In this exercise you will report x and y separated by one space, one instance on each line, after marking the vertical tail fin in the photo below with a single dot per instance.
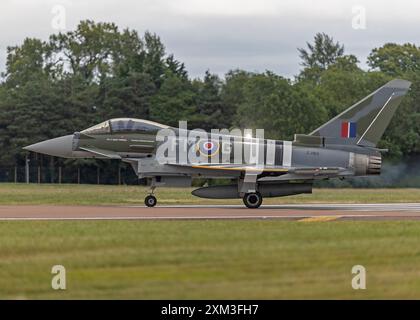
364 123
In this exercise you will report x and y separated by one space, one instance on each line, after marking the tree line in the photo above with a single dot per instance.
81 77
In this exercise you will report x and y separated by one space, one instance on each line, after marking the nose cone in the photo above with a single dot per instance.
58 147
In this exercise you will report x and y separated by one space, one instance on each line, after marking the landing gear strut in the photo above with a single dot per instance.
253 200
150 201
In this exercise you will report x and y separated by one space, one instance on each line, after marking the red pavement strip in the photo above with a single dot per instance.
330 212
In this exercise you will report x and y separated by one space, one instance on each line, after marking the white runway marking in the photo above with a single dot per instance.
319 212
345 207
294 217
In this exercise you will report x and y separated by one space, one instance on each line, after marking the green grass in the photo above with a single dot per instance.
205 259
210 259
11 194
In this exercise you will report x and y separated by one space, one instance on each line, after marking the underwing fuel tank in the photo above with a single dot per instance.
266 189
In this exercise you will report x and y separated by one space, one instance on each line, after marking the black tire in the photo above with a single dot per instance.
253 200
150 201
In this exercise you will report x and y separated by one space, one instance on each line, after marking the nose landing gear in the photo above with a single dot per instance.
150 201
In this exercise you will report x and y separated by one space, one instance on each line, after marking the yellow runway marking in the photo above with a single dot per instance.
320 219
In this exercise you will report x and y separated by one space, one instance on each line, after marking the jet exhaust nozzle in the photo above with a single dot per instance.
366 165
374 165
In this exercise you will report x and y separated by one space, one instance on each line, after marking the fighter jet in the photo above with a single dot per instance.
257 167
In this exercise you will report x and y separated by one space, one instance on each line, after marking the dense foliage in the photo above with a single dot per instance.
96 72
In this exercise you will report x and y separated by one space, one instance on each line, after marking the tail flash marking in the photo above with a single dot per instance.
348 129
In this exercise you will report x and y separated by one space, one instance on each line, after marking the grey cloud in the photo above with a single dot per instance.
221 42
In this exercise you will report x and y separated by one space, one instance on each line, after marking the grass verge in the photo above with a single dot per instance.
15 194
210 259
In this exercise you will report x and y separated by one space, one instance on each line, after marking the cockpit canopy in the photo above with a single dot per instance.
127 125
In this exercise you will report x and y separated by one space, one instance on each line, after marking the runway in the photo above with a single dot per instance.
306 212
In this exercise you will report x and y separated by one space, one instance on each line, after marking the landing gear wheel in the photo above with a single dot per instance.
150 201
253 200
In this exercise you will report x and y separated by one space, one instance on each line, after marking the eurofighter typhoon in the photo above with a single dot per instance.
257 167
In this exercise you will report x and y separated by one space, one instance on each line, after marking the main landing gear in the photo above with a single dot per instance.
253 200
247 186
150 201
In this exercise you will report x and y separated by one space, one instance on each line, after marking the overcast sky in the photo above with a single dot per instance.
220 35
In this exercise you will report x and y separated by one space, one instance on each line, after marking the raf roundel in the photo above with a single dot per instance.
208 148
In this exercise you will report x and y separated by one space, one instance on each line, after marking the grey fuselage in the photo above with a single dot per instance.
295 159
